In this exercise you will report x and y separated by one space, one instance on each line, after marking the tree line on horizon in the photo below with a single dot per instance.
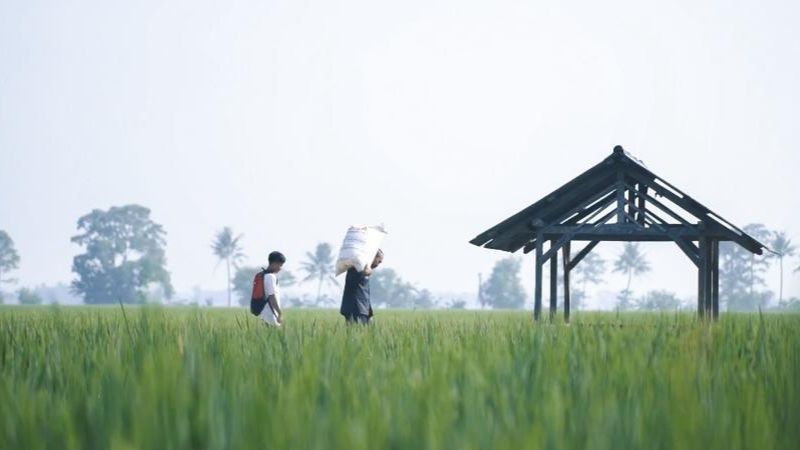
123 260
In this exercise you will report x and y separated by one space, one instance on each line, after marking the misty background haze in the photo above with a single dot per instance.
290 121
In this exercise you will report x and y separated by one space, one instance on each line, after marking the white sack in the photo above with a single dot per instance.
360 245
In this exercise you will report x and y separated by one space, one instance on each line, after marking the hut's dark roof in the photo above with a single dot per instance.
601 182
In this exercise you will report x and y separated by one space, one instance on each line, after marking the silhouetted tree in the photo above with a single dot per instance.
758 263
589 270
659 301
227 249
388 288
631 262
28 297
783 246
504 289
124 253
319 266
424 300
9 258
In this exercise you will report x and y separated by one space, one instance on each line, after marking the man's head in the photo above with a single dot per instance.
276 261
378 259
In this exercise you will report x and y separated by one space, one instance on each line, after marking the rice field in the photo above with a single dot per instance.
154 378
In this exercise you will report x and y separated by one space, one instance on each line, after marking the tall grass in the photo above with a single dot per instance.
90 378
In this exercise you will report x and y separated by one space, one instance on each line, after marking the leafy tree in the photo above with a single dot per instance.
424 300
124 253
783 246
29 297
227 249
758 264
319 266
9 258
504 289
458 304
738 290
243 282
659 301
631 262
625 300
590 270
387 288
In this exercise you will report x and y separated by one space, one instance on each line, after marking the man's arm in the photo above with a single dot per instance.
274 304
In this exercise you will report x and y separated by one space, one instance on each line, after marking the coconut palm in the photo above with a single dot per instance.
319 266
782 245
226 248
631 262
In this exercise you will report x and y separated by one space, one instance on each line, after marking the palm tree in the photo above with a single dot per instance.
632 262
319 266
227 248
782 245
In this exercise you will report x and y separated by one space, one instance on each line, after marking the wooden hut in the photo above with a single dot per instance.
618 199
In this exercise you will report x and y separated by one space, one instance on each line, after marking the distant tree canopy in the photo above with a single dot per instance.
388 289
590 270
658 301
29 297
124 254
504 289
9 258
741 273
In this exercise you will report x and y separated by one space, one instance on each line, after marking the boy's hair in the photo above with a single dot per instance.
380 253
276 257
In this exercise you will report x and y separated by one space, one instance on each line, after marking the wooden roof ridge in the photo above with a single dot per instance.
596 186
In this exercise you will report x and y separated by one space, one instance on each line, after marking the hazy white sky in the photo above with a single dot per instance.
291 120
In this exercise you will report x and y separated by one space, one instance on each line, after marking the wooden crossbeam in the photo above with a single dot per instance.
663 207
686 247
571 231
582 254
588 208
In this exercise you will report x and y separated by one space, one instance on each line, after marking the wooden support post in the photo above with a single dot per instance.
709 279
565 256
537 291
702 269
620 197
715 278
553 281
642 190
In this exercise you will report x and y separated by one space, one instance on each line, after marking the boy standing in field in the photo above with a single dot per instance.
356 306
272 314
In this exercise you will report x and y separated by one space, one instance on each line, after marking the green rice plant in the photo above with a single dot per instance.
219 379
